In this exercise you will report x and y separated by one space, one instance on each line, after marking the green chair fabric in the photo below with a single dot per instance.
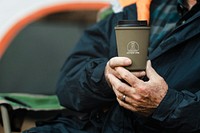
30 101
15 106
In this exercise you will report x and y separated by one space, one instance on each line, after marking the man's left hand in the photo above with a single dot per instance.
137 95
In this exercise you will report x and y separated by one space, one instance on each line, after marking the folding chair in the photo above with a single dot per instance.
16 106
5 119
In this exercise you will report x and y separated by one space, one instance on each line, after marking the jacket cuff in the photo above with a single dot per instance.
167 105
99 81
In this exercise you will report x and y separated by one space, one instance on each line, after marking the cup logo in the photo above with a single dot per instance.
133 48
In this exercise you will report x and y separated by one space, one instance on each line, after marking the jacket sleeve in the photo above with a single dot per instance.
179 110
82 85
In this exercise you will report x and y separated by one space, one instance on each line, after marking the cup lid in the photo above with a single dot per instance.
131 23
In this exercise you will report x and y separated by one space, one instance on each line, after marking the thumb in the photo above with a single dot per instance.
151 73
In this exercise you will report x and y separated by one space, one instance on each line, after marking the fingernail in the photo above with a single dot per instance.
143 73
127 62
148 63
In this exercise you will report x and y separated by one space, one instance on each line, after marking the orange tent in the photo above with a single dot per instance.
20 15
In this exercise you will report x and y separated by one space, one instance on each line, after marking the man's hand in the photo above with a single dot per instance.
137 95
115 62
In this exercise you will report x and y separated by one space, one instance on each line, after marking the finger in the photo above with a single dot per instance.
135 108
151 73
126 105
115 83
119 61
133 99
120 88
139 74
128 76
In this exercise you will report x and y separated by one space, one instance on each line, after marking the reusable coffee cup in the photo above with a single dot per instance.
132 41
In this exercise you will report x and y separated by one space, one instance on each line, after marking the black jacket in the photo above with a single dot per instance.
82 86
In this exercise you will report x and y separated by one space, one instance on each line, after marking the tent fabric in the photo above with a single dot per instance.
15 15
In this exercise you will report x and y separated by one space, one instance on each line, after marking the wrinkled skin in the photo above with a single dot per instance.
142 97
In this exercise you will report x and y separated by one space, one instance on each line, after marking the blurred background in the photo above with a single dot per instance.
36 37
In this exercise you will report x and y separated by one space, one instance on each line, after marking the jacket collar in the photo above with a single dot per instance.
180 34
187 14
182 7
